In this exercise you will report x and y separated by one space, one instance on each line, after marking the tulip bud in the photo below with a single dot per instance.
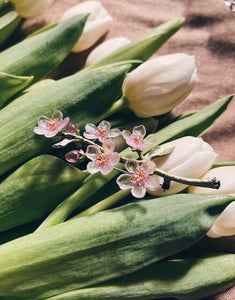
160 84
191 157
105 48
97 23
31 8
225 223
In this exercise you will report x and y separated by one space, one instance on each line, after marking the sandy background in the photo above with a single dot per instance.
208 34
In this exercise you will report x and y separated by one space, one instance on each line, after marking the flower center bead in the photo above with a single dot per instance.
52 124
139 178
102 159
102 131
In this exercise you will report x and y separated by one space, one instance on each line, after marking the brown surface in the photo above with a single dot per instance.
208 33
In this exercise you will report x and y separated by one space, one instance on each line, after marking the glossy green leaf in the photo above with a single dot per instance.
184 279
35 189
145 46
43 52
195 124
11 84
84 97
9 20
90 250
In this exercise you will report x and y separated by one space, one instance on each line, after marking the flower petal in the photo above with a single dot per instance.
64 123
90 131
124 181
148 166
92 152
153 182
105 124
108 146
138 191
139 130
92 167
114 158
106 169
114 133
131 165
57 114
126 134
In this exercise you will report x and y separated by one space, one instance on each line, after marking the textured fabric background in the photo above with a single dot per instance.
208 34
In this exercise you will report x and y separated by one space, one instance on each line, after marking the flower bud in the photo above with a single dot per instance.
160 84
97 23
225 223
105 48
191 157
31 8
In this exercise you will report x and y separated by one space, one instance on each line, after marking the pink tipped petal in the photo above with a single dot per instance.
126 134
50 134
114 133
90 129
40 130
131 165
114 158
92 152
57 114
106 169
42 123
153 182
92 167
138 191
124 181
89 136
108 146
148 166
105 124
64 123
140 130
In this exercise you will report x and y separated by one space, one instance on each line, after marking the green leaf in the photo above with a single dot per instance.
159 151
84 97
9 20
43 52
35 189
145 46
196 124
11 84
186 279
90 250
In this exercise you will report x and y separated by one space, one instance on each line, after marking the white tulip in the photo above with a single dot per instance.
105 48
190 158
31 8
225 223
160 84
96 26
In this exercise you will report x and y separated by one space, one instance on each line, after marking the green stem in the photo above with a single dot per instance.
116 107
104 204
223 164
90 186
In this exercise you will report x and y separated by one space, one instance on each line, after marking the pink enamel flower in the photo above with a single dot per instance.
140 177
101 132
51 126
102 161
136 139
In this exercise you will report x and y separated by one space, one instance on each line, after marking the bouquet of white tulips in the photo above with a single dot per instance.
100 190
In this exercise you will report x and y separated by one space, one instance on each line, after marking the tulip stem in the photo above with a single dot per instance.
104 204
212 183
120 104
